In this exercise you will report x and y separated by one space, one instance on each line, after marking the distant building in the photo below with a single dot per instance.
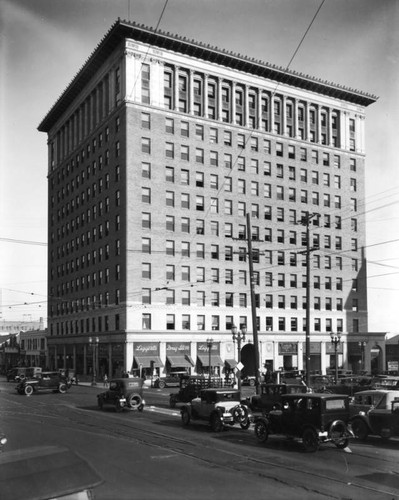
158 149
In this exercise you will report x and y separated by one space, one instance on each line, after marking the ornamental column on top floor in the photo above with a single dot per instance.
307 121
206 79
219 100
233 102
191 91
360 132
176 89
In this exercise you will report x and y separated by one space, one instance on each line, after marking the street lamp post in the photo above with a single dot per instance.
238 336
336 340
94 343
362 345
209 343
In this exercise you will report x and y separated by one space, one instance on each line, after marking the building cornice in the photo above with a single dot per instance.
122 30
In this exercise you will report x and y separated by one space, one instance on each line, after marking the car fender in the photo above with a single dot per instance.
262 418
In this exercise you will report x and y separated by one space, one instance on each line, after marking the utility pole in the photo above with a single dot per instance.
253 304
305 221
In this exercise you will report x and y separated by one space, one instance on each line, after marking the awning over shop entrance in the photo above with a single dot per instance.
215 360
231 363
180 361
145 361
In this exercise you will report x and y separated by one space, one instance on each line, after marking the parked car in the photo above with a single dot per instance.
170 380
390 383
43 381
270 396
349 385
315 418
319 383
373 413
218 407
364 401
191 386
123 393
249 380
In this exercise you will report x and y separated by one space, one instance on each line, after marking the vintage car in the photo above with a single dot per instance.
123 393
170 380
218 407
315 418
349 385
191 386
270 396
43 381
380 418
389 383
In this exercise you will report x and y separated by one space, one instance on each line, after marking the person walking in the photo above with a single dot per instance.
105 380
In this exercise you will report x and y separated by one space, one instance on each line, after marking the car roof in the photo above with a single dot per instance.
375 391
220 390
314 395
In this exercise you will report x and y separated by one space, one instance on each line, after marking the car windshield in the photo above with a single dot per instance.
229 396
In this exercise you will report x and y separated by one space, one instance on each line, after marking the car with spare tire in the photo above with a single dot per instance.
43 381
314 418
218 407
123 393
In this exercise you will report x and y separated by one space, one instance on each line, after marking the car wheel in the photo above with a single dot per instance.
240 414
161 384
338 434
172 401
310 440
28 390
261 431
134 401
360 429
62 388
141 407
185 416
216 423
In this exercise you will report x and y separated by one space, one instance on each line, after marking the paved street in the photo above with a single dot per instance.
150 455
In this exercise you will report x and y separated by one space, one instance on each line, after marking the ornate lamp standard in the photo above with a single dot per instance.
209 343
238 336
336 340
362 345
94 341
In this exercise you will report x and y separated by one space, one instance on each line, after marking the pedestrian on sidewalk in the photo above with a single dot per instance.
105 379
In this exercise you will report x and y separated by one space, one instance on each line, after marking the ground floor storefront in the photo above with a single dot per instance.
143 355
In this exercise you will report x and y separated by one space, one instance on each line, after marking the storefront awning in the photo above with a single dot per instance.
215 360
180 361
231 363
145 361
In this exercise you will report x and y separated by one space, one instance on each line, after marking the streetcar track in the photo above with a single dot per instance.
176 445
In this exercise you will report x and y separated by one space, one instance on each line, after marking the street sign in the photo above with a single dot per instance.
240 366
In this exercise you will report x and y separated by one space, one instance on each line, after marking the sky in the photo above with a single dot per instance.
44 43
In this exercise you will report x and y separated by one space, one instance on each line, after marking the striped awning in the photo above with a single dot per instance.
145 361
232 363
180 361
215 360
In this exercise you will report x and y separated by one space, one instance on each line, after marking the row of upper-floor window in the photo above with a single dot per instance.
81 304
85 238
268 323
324 158
279 172
242 141
84 281
283 257
96 324
283 236
216 205
233 299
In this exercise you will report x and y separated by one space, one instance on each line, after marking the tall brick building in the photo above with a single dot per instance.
158 149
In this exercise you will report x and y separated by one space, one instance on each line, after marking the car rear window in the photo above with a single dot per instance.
335 404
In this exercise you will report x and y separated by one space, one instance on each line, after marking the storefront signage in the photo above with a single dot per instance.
146 349
174 348
315 347
203 347
287 348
